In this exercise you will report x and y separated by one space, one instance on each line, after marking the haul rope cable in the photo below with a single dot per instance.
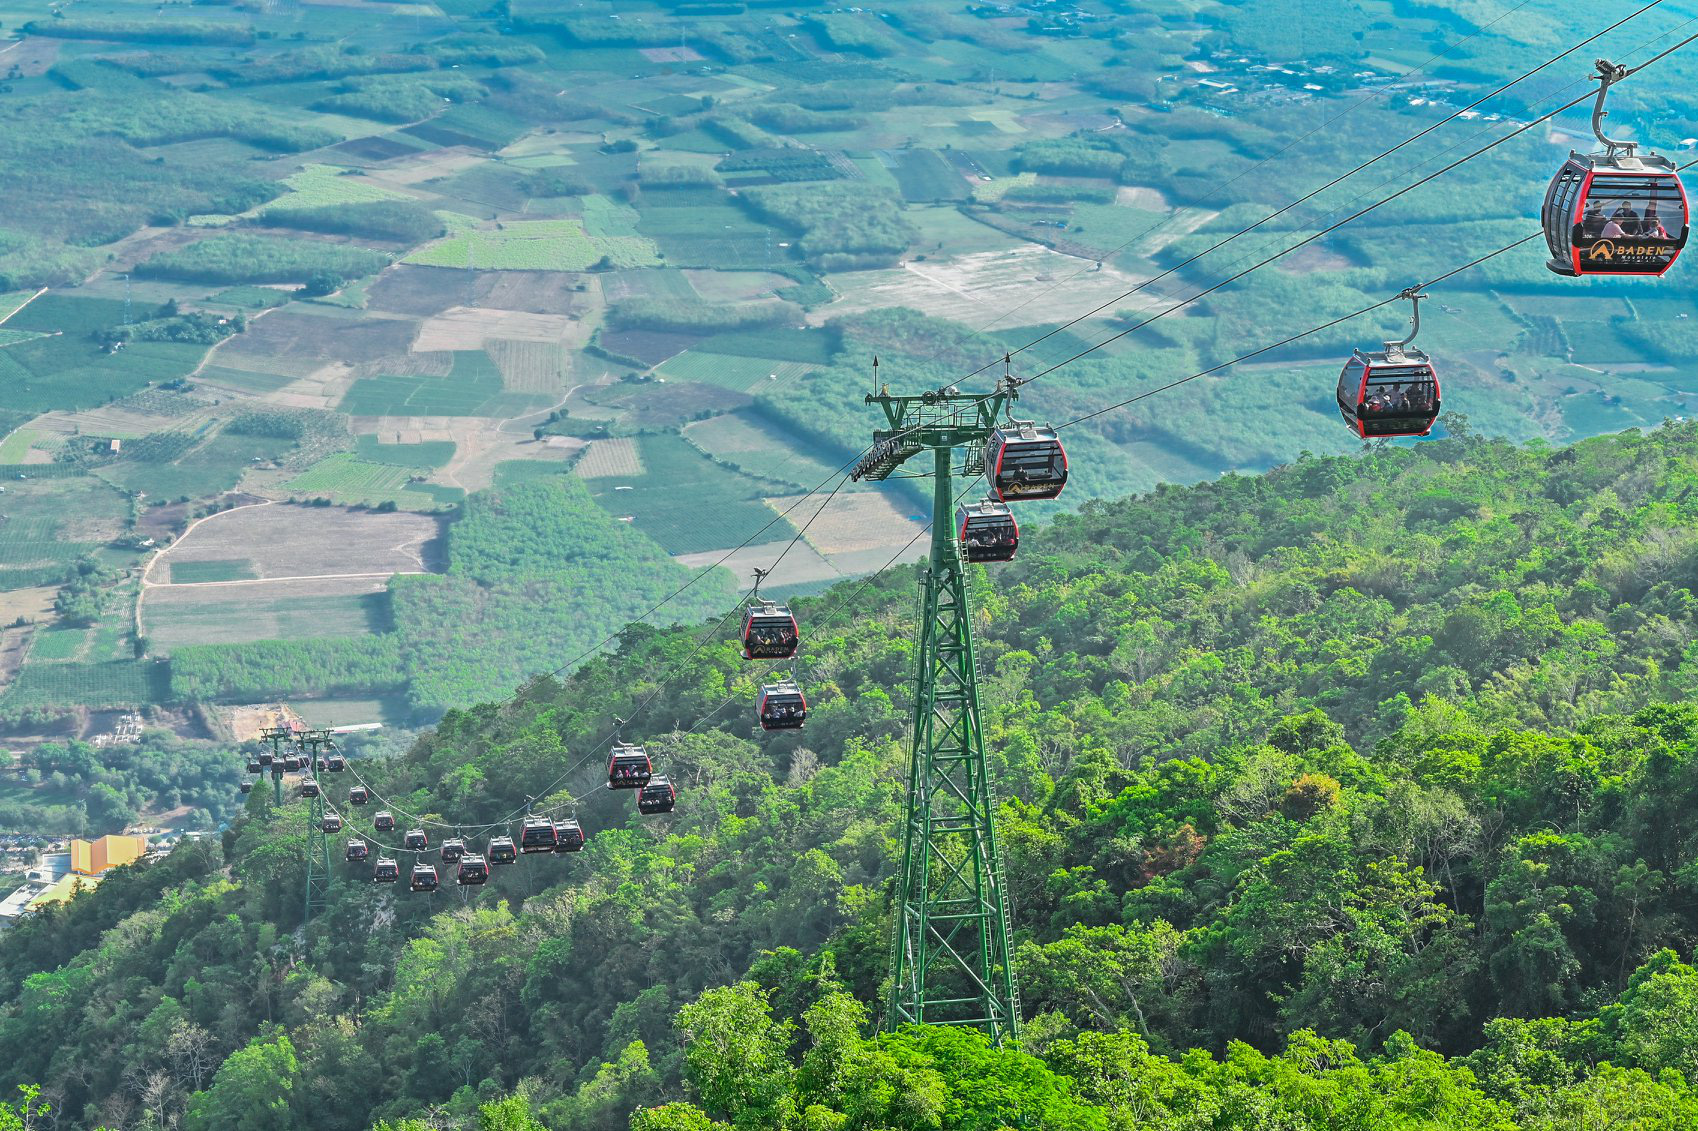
711 634
477 828
1341 223
1342 206
667 599
1132 400
1121 298
1173 213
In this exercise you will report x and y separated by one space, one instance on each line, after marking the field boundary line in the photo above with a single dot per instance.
296 577
26 301
146 584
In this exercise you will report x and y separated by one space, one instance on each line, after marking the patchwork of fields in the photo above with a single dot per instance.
654 278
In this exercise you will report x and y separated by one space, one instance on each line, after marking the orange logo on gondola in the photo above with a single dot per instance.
1611 250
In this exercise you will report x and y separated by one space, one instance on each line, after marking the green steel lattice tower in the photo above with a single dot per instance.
949 958
318 841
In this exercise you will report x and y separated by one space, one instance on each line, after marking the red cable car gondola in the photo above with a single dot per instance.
770 631
452 850
384 822
570 836
657 796
538 835
987 531
387 871
1391 392
336 763
502 851
415 841
472 870
782 706
247 787
255 768
1024 460
309 788
425 878
358 795
265 758
357 850
628 767
331 823
1618 212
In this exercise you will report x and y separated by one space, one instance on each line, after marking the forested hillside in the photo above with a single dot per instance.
1358 795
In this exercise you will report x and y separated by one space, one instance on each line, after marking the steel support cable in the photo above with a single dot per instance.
1335 181
1169 218
1341 223
1296 337
713 632
831 614
1344 206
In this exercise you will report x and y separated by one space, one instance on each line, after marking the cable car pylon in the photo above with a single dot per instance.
950 945
317 894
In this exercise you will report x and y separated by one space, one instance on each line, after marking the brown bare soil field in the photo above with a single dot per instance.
245 723
372 149
529 367
281 540
287 334
419 291
434 364
668 404
854 523
734 286
31 604
428 166
538 292
607 459
468 327
966 288
671 54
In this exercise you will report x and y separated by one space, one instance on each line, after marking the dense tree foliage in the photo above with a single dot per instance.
1357 795
261 259
397 220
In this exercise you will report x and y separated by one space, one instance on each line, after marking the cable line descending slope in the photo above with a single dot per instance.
950 950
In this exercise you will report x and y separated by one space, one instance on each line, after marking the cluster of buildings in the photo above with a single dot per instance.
59 875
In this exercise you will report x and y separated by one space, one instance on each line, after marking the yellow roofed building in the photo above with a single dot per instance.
92 857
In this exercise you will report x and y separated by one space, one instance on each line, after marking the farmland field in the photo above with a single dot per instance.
473 388
685 501
932 186
278 610
229 569
115 683
424 455
350 480
279 540
535 245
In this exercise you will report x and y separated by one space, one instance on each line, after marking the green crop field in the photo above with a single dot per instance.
317 186
473 388
116 683
238 614
536 245
424 456
345 478
57 644
232 569
743 374
686 502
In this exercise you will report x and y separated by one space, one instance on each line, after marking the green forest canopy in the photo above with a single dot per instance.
1365 780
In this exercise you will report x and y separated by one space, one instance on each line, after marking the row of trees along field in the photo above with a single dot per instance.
1356 795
